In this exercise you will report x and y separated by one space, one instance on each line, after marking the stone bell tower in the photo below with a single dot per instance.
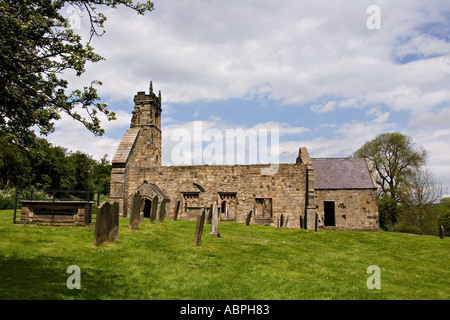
139 149
147 118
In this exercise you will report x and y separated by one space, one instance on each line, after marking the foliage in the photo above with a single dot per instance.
393 157
45 166
418 195
37 45
7 198
388 211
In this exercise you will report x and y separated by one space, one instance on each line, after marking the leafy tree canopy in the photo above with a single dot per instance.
37 44
394 157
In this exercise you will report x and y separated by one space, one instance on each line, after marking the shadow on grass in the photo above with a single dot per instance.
44 278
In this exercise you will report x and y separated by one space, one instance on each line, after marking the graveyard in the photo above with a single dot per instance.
159 260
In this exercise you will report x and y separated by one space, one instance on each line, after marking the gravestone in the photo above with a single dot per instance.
215 221
209 216
114 222
141 211
316 226
248 218
135 214
441 232
199 229
162 211
175 211
302 226
286 222
154 209
107 223
280 219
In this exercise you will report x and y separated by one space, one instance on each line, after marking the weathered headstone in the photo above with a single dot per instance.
279 221
441 232
316 226
154 209
135 214
162 211
215 221
107 223
141 211
114 222
209 216
248 218
286 222
175 211
199 229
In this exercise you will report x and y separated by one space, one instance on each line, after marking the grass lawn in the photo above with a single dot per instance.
159 261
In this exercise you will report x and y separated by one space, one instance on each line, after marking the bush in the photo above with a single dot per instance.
405 228
7 198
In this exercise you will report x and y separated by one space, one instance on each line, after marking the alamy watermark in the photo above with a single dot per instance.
374 281
74 17
373 22
74 281
235 146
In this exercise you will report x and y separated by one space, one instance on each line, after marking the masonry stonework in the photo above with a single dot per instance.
298 190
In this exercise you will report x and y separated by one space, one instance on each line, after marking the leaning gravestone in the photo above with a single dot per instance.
162 211
209 216
114 222
441 232
135 214
199 229
175 211
141 211
154 209
248 218
286 222
107 223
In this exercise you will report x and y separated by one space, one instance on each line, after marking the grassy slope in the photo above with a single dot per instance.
159 261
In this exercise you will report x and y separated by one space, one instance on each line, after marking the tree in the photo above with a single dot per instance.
37 44
50 168
388 211
15 168
393 156
419 194
81 166
102 175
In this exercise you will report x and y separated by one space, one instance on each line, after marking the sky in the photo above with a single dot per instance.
326 75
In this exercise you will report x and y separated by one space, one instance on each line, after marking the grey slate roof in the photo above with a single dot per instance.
341 173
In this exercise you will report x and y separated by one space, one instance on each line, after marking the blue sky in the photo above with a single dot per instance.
311 69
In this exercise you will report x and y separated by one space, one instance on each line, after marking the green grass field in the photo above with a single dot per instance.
159 261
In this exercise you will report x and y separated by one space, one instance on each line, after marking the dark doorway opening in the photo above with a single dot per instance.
147 208
329 214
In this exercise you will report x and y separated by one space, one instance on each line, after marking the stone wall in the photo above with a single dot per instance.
355 209
286 188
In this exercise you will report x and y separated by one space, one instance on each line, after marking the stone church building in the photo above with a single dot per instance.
341 191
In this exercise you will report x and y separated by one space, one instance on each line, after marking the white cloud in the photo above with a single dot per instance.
329 106
295 52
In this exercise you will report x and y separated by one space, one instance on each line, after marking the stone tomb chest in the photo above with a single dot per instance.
56 212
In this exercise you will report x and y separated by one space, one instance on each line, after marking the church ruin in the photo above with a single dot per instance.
340 191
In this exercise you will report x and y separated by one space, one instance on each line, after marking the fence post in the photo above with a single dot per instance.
15 204
88 212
